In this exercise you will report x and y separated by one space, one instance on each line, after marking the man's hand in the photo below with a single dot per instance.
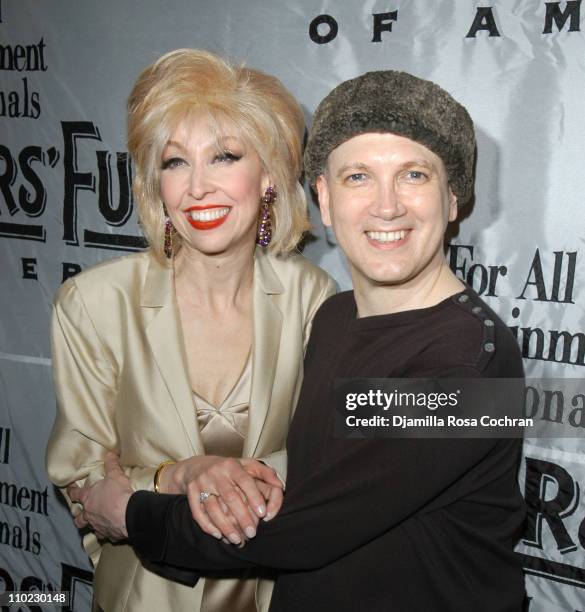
104 502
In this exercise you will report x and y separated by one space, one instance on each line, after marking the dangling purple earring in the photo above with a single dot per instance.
169 230
265 228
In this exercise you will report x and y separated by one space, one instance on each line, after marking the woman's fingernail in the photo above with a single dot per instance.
216 535
268 517
250 532
234 538
261 510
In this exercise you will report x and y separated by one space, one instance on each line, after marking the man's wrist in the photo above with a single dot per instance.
125 500
144 510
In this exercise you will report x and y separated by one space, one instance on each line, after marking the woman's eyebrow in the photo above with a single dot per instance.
174 143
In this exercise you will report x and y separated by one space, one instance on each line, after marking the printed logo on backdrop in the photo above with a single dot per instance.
553 545
81 163
106 175
22 61
549 278
29 509
557 16
26 171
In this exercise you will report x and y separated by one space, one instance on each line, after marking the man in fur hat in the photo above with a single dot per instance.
407 524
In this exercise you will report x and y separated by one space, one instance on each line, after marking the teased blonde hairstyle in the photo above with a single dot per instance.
187 83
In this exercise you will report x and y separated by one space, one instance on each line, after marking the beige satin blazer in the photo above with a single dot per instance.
121 381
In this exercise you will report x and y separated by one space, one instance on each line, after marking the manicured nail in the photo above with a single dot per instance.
250 532
261 510
225 540
216 535
268 517
234 538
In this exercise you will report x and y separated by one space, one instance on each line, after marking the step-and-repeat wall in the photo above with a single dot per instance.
66 68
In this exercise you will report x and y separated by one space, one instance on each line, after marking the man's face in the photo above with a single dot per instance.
389 203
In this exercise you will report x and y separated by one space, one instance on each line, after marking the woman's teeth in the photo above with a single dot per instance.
209 215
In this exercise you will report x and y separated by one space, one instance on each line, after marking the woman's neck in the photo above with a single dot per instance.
214 281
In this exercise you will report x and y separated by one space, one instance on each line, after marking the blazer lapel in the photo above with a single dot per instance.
267 330
168 348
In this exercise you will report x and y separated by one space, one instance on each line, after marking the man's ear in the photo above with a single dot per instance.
323 195
452 206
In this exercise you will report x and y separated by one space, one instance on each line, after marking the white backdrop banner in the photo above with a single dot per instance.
66 68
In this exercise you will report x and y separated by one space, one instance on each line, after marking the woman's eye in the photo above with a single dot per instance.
172 162
227 156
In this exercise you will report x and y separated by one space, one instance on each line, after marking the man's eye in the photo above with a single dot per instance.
227 156
416 176
356 177
172 162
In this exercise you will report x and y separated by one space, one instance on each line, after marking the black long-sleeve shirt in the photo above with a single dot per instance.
377 524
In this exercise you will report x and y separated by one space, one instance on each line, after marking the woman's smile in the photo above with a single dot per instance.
207 217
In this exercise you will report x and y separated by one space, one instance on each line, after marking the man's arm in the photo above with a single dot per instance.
362 490
346 504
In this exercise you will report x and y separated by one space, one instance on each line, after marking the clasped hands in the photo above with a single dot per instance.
242 492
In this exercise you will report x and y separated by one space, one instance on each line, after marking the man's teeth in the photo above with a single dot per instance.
209 215
386 236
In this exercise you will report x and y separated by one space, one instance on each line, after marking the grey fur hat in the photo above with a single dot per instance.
402 104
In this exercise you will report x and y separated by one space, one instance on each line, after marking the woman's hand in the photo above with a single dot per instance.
104 502
241 492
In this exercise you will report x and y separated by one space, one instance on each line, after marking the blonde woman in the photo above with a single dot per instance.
190 352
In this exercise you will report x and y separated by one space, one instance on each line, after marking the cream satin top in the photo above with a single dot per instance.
223 431
121 376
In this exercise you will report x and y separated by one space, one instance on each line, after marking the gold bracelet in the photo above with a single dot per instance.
158 473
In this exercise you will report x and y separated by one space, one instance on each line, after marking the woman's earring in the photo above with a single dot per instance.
169 231
265 228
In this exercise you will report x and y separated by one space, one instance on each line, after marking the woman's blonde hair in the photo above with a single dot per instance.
187 83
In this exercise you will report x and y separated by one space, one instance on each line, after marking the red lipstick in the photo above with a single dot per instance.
205 225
